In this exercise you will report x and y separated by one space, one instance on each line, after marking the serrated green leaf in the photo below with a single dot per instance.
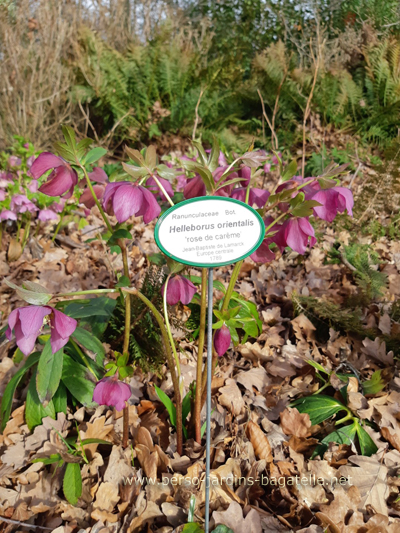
305 209
214 155
82 146
166 172
53 458
343 435
202 154
151 157
48 373
64 151
33 297
134 171
72 484
317 366
290 171
318 407
69 136
375 384
6 401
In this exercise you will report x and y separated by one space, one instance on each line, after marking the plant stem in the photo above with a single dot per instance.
81 293
170 360
231 286
171 339
127 331
58 225
96 200
155 178
199 379
349 416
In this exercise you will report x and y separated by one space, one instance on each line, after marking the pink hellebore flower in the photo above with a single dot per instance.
333 201
47 214
153 186
61 181
258 197
179 289
21 204
8 215
98 175
14 161
2 195
194 188
33 186
222 340
86 197
58 207
245 174
110 391
128 199
296 233
28 321
263 254
30 160
227 190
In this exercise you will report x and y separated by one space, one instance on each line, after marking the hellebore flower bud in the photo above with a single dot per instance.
110 391
222 340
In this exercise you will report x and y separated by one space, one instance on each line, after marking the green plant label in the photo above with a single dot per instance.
209 231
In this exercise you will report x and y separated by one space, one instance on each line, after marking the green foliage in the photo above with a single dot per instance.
146 344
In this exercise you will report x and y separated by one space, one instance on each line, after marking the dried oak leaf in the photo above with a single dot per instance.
95 430
369 476
260 442
231 397
295 423
233 518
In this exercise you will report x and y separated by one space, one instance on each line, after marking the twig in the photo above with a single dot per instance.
197 113
23 524
307 110
279 93
89 122
274 138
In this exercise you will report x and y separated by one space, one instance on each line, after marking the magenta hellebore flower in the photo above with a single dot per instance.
14 161
61 181
28 321
128 199
194 188
258 197
227 190
110 391
179 289
222 340
21 204
263 254
98 175
6 214
153 186
86 197
296 233
47 214
333 201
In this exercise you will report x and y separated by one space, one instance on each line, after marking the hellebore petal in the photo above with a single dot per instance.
194 188
222 340
62 327
333 201
128 199
258 197
28 321
296 233
98 175
150 208
14 161
109 391
21 204
47 214
87 199
263 254
8 215
152 186
245 174
60 182
2 195
44 162
179 289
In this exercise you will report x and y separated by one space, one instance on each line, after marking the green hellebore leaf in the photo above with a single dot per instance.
319 407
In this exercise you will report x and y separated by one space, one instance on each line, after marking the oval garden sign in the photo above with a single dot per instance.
209 231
